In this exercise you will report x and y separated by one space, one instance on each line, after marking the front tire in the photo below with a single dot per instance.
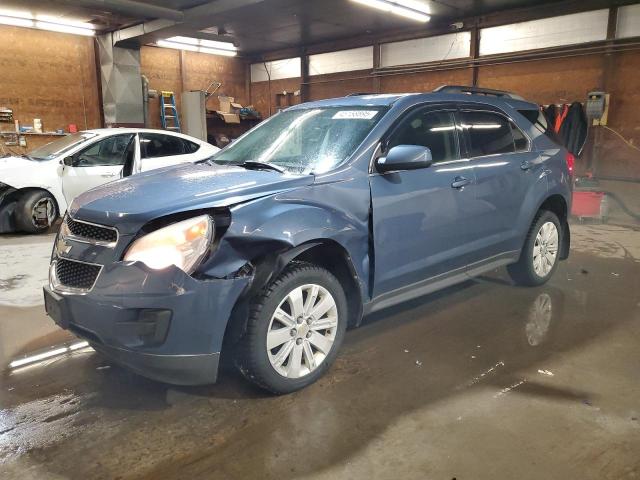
540 253
36 212
295 329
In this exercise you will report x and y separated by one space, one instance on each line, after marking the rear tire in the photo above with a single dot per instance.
36 212
295 329
540 253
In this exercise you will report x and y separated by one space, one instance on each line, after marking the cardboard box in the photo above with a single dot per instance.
225 104
229 105
230 117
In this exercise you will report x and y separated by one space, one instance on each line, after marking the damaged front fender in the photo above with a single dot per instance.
267 233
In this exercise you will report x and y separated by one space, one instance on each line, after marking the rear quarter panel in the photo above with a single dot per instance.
556 178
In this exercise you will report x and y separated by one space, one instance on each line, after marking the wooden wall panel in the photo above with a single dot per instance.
619 159
201 69
339 84
424 81
562 80
261 99
48 75
162 67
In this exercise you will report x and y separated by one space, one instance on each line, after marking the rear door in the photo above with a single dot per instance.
159 150
505 170
421 217
99 163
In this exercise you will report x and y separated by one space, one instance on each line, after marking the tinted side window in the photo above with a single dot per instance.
157 145
190 147
538 119
521 142
488 133
436 130
108 152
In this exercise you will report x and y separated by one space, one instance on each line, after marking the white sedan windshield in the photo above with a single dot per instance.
58 147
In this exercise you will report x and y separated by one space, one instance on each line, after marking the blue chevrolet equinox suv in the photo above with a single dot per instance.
327 211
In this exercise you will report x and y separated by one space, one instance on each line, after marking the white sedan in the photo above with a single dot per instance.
36 188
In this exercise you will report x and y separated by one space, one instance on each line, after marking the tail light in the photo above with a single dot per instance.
571 161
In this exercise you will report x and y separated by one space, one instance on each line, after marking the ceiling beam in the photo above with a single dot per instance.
439 26
194 20
128 8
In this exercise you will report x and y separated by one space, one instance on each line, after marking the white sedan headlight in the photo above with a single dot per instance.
183 244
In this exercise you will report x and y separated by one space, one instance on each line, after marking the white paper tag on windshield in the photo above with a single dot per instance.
355 115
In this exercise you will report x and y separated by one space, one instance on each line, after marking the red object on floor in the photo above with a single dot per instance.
586 204
73 128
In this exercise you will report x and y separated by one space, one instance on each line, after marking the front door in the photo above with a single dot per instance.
99 163
421 217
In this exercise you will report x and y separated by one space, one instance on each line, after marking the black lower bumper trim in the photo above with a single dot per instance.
199 369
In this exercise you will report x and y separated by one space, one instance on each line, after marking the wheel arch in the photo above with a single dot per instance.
326 253
11 199
557 204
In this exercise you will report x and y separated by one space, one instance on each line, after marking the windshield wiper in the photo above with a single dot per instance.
256 164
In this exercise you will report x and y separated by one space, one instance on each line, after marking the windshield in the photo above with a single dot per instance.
60 146
304 141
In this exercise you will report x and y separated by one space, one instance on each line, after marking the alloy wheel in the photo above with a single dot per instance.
302 331
545 249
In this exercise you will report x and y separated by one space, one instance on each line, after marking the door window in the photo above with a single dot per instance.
488 133
156 145
110 151
436 130
190 147
520 140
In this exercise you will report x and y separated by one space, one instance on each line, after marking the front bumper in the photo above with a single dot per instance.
163 324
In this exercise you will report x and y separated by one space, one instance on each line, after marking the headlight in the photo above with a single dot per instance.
183 244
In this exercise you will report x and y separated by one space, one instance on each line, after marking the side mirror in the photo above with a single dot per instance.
68 161
405 157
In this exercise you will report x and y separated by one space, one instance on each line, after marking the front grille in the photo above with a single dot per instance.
77 275
91 232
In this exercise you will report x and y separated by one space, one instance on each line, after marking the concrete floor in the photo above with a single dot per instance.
481 381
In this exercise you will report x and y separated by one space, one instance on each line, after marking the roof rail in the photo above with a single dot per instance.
359 94
477 91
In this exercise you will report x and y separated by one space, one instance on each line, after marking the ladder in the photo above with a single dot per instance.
169 112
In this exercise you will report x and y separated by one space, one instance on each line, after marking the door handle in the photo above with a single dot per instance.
460 182
108 175
526 165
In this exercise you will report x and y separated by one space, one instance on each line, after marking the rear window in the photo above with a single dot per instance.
155 145
537 118
488 133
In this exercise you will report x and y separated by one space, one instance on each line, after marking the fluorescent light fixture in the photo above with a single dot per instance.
16 22
199 45
405 8
58 27
39 357
55 24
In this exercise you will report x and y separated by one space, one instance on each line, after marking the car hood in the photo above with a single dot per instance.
13 167
131 202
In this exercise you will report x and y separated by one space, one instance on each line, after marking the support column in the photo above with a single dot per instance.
304 77
475 54
376 66
608 65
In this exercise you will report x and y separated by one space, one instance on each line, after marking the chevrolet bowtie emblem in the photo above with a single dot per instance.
62 246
